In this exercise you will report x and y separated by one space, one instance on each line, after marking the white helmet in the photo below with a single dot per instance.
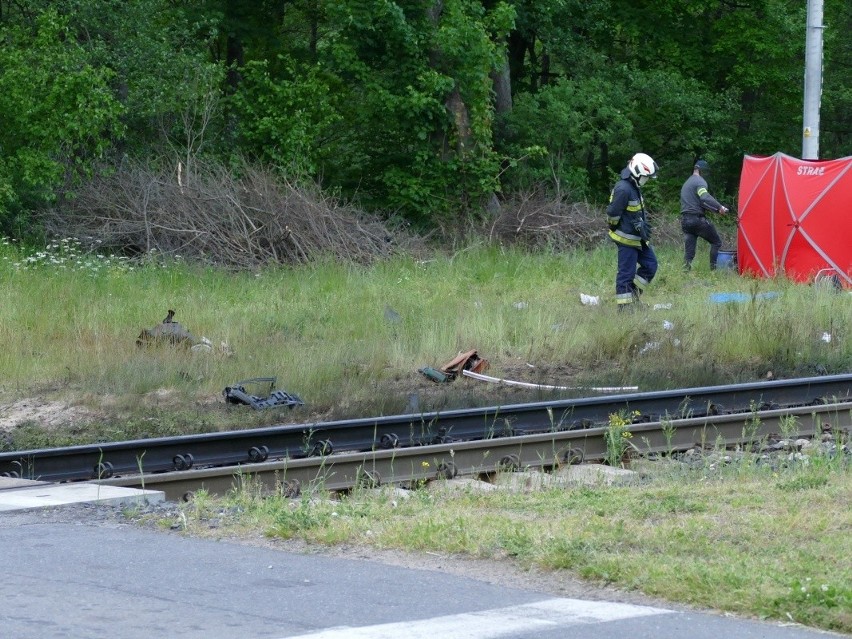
642 167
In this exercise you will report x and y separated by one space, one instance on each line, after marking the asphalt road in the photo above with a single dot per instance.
82 577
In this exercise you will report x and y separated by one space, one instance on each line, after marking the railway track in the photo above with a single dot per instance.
479 457
373 449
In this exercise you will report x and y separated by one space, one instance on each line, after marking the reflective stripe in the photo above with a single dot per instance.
626 236
640 282
626 241
624 298
701 191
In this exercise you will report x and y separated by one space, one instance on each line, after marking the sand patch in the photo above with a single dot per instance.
42 413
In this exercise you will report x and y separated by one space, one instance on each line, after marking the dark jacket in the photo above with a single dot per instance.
695 199
628 223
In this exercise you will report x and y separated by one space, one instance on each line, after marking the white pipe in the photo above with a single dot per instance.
508 382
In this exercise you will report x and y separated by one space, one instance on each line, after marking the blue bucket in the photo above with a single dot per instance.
727 260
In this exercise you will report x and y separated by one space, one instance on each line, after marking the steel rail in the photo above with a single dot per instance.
544 450
99 461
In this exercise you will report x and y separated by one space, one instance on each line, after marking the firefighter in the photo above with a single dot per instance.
695 201
629 229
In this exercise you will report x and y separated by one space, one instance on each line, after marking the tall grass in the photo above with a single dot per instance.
349 339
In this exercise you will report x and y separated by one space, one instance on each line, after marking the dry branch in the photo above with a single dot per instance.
539 220
214 216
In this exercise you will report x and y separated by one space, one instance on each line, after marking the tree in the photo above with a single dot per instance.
836 112
709 78
57 113
417 108
393 105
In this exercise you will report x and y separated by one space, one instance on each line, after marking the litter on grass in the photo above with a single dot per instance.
509 382
237 394
167 332
172 333
469 360
470 364
725 298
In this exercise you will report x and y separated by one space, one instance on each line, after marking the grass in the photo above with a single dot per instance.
747 538
750 539
348 339
69 321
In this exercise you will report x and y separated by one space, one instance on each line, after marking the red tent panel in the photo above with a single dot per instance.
795 217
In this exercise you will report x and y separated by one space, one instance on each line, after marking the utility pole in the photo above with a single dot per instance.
813 81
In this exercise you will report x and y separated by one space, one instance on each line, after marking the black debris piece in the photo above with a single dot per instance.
237 394
434 374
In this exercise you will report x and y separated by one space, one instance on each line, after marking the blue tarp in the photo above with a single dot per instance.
724 298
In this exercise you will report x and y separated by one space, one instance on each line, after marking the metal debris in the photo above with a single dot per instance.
237 394
468 361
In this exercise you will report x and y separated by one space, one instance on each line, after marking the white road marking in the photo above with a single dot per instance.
499 622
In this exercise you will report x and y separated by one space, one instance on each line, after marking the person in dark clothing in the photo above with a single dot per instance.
695 201
629 229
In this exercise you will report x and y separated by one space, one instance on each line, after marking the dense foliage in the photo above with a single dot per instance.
418 109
